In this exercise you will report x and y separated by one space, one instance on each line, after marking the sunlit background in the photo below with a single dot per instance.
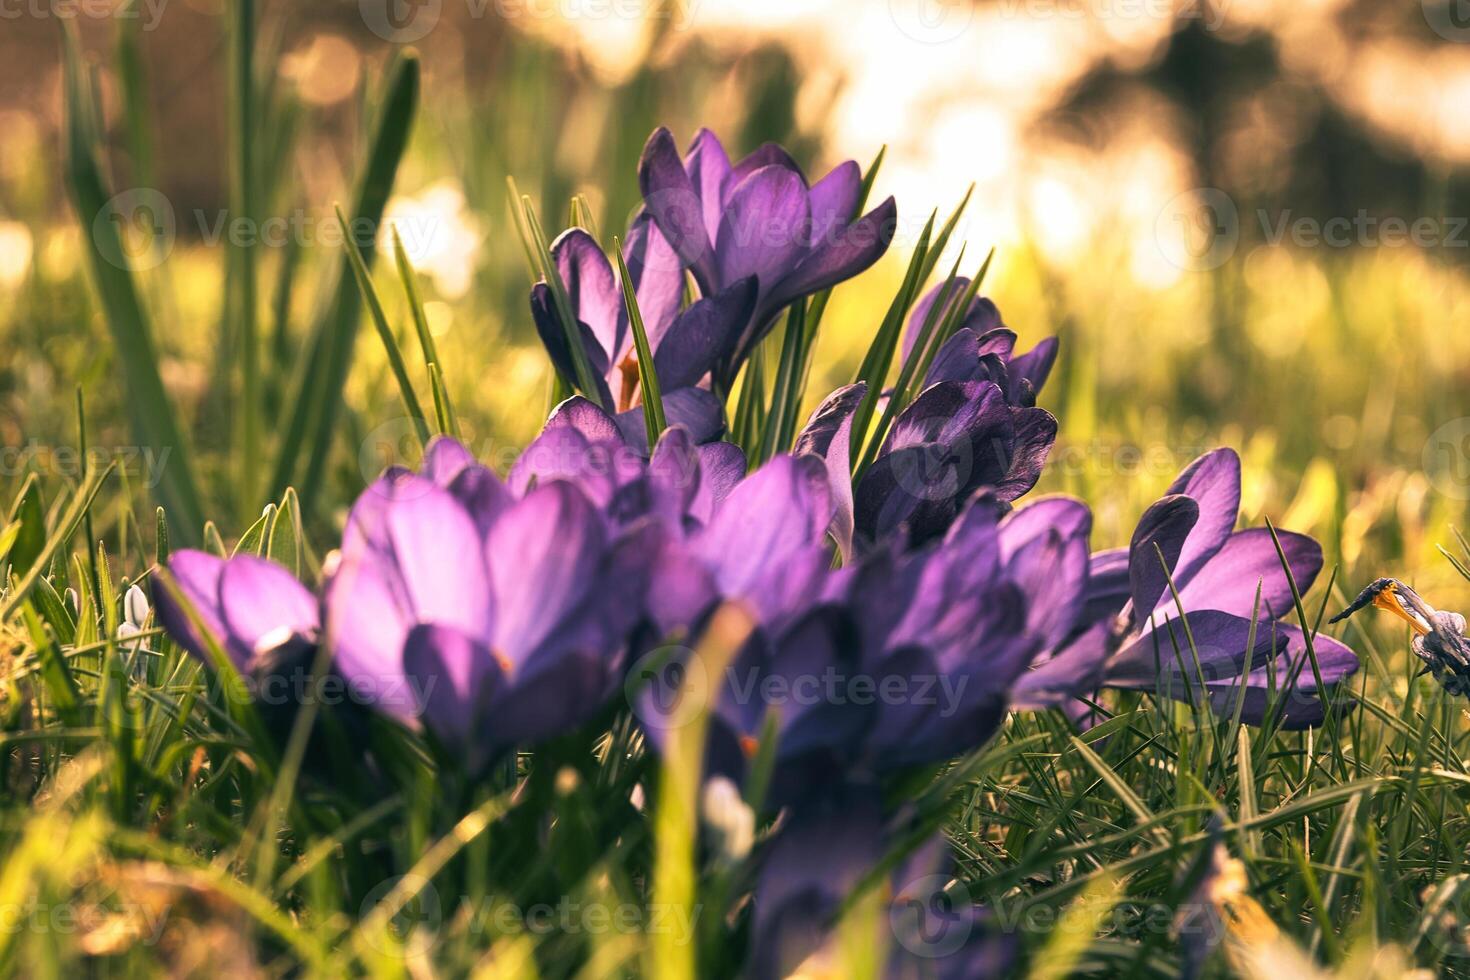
1245 218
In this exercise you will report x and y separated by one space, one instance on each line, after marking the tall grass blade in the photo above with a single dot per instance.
154 421
653 400
317 395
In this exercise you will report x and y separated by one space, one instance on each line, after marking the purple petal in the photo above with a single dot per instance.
580 414
765 155
828 435
1035 434
455 676
1294 694
440 558
708 166
593 289
483 494
957 360
722 465
197 575
920 315
543 555
1156 658
1163 529
1213 481
444 459
1228 581
696 409
554 339
658 281
774 514
767 220
1035 365
671 198
1044 547
367 621
674 475
564 453
263 605
834 198
848 253
1072 672
702 334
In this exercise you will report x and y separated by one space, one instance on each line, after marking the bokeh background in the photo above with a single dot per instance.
1245 218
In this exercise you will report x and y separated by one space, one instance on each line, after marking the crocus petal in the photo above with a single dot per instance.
722 465
762 232
543 555
1229 580
708 166
1291 696
779 510
702 334
1058 680
439 558
951 291
846 254
196 574
1035 434
367 620
833 200
765 155
1213 481
1107 586
696 409
263 605
671 198
580 414
1035 365
1163 657
554 338
483 494
658 281
444 459
454 677
674 474
592 287
957 360
564 453
828 435
1163 529
1044 547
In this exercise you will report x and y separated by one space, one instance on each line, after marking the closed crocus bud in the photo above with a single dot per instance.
135 607
730 821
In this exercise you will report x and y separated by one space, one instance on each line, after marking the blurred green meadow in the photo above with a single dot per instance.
1340 374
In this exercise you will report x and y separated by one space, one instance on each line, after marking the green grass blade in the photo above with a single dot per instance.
317 395
385 334
653 400
154 421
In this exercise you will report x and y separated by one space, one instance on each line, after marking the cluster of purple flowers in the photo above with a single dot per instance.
898 618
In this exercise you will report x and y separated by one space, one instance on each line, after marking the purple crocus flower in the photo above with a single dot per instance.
760 218
930 928
763 548
255 610
981 348
944 633
956 437
686 343
488 627
1127 631
680 485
